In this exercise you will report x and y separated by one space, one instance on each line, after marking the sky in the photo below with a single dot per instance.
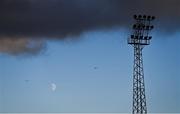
81 48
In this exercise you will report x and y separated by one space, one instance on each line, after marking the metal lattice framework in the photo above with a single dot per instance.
139 40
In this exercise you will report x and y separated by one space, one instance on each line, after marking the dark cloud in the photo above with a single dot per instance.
58 18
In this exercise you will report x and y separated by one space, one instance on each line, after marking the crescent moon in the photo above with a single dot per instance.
53 87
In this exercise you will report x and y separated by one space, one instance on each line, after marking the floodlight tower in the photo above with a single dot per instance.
139 39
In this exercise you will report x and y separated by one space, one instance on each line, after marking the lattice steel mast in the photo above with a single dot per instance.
139 40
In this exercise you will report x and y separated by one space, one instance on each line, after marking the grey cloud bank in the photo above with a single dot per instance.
33 20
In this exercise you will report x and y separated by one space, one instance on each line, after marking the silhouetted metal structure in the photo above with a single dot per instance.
139 39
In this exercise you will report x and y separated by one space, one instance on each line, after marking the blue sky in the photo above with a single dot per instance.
83 88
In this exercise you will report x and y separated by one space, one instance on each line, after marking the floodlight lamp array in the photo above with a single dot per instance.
144 17
141 28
